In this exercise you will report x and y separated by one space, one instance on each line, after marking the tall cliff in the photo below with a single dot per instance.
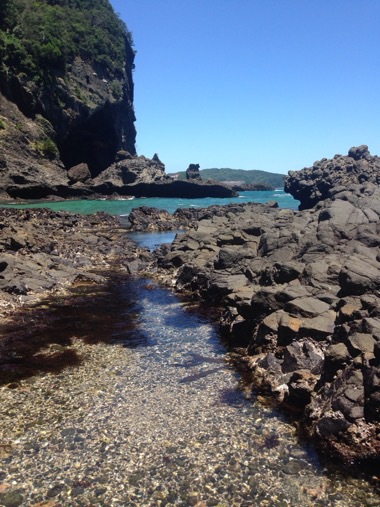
66 105
66 90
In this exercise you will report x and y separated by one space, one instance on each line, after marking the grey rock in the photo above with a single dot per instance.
302 355
360 343
306 307
359 276
331 178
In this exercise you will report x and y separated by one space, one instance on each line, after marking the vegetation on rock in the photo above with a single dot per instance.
38 37
252 177
66 91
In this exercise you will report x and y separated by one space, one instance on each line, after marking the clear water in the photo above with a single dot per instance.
152 239
124 207
170 424
162 421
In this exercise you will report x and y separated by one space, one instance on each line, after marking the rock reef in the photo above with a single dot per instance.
300 293
43 251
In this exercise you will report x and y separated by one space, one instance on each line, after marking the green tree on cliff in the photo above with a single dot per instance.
41 36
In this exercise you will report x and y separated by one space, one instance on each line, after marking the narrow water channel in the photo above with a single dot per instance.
150 414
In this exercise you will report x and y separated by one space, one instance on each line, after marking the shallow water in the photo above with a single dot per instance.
153 416
152 239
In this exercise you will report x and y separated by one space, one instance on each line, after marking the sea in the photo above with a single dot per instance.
123 206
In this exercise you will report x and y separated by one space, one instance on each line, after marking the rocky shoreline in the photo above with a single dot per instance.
301 305
44 251
299 293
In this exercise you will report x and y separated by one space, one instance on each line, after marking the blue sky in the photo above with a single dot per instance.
254 84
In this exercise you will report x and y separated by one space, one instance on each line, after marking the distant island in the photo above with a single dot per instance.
240 177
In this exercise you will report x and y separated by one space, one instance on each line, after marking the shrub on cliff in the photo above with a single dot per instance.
37 38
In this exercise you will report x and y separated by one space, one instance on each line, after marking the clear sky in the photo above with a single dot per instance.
254 84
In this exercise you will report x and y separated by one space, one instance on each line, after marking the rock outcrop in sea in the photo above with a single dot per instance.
300 293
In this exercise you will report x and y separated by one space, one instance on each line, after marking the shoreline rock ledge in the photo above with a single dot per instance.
300 293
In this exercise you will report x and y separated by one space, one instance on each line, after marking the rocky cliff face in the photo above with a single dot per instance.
62 115
66 106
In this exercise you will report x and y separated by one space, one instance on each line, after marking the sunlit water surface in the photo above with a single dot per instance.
172 423
164 421
124 206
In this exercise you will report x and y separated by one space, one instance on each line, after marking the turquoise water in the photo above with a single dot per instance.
124 207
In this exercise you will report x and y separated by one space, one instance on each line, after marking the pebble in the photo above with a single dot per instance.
143 438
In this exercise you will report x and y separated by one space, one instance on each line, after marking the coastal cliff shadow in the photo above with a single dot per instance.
42 338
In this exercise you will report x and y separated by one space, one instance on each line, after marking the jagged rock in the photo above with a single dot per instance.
300 388
192 172
331 177
302 355
36 256
301 293
360 152
337 357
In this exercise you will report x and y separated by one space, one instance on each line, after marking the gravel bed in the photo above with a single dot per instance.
161 424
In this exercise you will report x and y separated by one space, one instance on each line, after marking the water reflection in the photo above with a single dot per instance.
154 239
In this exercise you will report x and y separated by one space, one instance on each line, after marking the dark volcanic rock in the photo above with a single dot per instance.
192 172
146 218
140 176
300 290
41 250
80 172
73 135
38 146
329 177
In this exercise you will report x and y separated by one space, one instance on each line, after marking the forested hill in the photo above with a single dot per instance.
250 177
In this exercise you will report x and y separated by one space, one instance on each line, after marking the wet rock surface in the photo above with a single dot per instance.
43 250
300 292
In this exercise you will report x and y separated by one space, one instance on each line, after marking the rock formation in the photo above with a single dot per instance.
73 111
326 177
38 256
192 172
301 298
